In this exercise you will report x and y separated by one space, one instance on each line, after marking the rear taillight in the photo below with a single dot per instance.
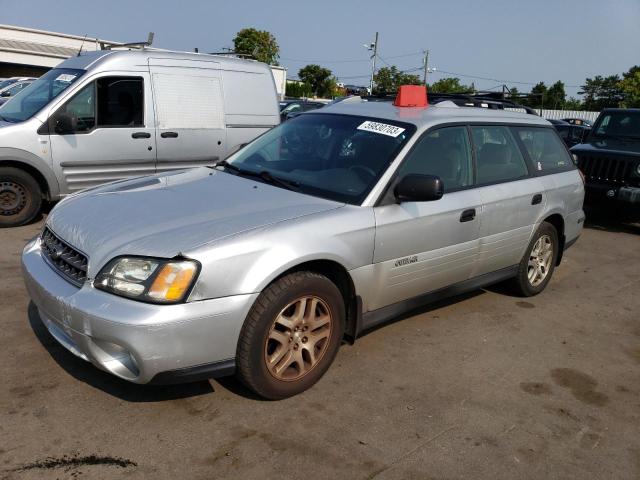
581 176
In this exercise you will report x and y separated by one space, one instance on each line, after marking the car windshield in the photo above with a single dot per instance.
30 100
338 157
619 124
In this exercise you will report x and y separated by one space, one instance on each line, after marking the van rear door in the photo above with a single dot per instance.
187 96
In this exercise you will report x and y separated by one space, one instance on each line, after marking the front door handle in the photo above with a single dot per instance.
468 215
537 198
169 134
141 135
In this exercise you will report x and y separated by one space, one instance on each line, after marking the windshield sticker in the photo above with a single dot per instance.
382 128
65 77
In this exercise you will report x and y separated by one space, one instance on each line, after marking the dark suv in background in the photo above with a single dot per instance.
609 158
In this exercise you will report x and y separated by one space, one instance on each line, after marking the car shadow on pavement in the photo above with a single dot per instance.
87 373
598 220
425 309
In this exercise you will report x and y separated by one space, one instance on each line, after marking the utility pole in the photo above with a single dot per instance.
374 47
426 67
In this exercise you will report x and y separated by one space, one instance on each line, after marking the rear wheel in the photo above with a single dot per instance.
291 335
20 197
538 263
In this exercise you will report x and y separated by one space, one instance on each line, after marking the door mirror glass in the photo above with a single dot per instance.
65 123
419 188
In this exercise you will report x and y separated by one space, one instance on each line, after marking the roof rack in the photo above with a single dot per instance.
140 45
490 100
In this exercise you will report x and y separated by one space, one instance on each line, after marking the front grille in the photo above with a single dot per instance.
597 168
64 259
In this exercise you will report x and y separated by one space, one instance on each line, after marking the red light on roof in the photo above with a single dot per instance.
411 96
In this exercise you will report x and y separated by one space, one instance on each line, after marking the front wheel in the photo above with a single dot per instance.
538 263
291 335
20 197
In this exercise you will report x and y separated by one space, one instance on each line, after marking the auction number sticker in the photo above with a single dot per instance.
382 128
65 77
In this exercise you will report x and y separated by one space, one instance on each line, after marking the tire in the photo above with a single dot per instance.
20 197
529 281
285 347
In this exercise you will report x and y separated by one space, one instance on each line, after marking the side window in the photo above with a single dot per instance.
498 157
120 102
546 150
444 152
83 107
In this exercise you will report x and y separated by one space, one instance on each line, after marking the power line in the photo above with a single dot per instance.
347 61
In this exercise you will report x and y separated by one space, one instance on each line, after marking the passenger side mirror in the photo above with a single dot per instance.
65 123
419 188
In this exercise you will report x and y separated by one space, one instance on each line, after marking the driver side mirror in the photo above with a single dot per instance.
65 123
585 134
419 188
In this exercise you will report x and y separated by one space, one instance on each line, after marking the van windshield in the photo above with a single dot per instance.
29 101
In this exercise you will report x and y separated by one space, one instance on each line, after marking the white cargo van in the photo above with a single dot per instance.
112 114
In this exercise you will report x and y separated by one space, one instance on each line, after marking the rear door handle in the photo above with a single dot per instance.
169 134
468 215
141 135
537 198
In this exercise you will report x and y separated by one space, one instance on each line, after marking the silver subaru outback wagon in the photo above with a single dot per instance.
320 229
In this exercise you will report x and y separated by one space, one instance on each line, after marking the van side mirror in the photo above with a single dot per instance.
419 188
65 123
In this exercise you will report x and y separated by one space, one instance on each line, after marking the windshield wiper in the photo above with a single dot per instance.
263 175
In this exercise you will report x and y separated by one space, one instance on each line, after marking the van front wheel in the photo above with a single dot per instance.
20 197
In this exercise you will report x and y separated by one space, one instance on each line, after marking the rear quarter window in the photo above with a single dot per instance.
546 151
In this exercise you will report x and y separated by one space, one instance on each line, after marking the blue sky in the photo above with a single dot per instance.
524 41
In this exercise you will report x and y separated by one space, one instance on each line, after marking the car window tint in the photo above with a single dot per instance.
120 102
82 106
498 157
545 149
446 153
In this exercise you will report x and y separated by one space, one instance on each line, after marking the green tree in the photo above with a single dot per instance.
602 92
320 79
630 86
573 104
449 85
556 96
298 90
389 79
258 43
538 96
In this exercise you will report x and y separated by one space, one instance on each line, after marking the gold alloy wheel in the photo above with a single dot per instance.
298 338
540 260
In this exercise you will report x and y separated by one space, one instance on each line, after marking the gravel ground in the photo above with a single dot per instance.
485 386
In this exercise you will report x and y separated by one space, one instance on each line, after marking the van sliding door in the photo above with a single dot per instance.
188 101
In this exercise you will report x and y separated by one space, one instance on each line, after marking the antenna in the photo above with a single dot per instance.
82 44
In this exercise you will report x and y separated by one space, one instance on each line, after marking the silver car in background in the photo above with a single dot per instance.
320 229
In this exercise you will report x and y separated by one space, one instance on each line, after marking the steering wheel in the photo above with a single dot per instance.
361 168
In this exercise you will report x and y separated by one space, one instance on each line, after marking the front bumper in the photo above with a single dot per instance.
133 340
626 199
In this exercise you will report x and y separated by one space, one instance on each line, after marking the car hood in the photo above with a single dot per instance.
609 146
170 214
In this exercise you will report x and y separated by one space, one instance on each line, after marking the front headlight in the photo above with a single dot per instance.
148 279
